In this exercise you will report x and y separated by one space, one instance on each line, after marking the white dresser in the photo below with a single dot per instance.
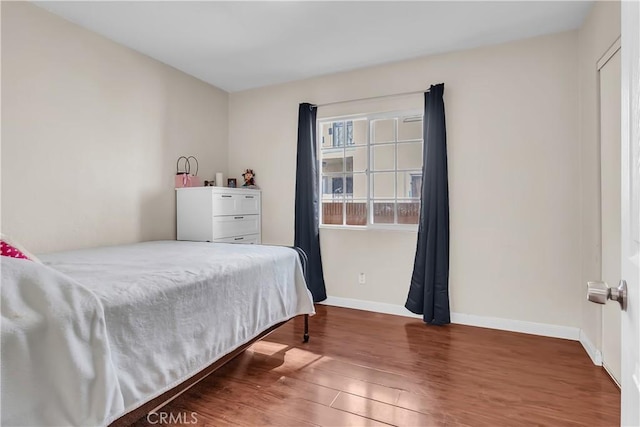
218 214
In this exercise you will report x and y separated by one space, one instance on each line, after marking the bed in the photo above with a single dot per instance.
123 326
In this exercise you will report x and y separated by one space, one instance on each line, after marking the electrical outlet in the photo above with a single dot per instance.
362 279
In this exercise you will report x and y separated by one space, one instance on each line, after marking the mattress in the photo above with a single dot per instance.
172 308
56 362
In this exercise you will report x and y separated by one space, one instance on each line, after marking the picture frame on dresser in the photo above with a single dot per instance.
219 214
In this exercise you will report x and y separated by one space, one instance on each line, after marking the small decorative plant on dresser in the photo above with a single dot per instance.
219 214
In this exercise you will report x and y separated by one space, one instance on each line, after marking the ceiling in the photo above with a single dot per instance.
243 44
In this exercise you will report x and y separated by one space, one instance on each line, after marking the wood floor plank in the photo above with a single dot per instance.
284 387
314 374
383 412
295 406
217 411
328 416
364 368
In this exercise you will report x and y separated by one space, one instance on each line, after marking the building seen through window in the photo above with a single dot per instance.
371 169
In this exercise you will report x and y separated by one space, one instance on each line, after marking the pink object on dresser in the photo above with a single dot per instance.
187 180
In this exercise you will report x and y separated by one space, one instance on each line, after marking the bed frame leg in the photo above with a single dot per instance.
304 260
305 338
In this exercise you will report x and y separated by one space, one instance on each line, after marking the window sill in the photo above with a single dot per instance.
406 228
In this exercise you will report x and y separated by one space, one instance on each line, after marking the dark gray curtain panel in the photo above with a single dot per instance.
307 221
429 290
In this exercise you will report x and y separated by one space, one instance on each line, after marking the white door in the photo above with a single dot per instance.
610 89
630 209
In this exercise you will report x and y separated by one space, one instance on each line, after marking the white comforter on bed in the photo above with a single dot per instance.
56 363
172 308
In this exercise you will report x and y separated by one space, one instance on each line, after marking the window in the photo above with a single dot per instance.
371 169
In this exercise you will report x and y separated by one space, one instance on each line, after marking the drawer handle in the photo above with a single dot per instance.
248 197
238 217
239 238
226 195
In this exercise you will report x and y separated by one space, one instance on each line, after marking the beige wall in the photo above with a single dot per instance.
512 123
599 31
91 131
90 135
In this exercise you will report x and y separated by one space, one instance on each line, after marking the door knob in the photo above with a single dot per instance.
600 292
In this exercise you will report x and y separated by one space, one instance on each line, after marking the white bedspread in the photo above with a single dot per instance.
56 364
172 308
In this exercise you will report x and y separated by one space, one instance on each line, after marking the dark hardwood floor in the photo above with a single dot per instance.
363 368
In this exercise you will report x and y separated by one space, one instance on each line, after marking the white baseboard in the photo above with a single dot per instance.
377 307
533 328
592 351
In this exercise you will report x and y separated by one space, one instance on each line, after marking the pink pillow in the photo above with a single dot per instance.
11 251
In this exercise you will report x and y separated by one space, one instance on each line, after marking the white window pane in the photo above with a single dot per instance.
326 186
359 186
409 184
356 159
383 212
408 212
338 185
409 128
339 132
383 157
360 132
326 135
332 212
384 130
371 170
410 155
384 185
332 185
356 212
332 161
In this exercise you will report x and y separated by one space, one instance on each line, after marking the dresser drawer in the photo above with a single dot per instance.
236 204
235 225
253 239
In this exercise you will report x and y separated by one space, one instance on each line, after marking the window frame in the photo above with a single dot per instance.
370 225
